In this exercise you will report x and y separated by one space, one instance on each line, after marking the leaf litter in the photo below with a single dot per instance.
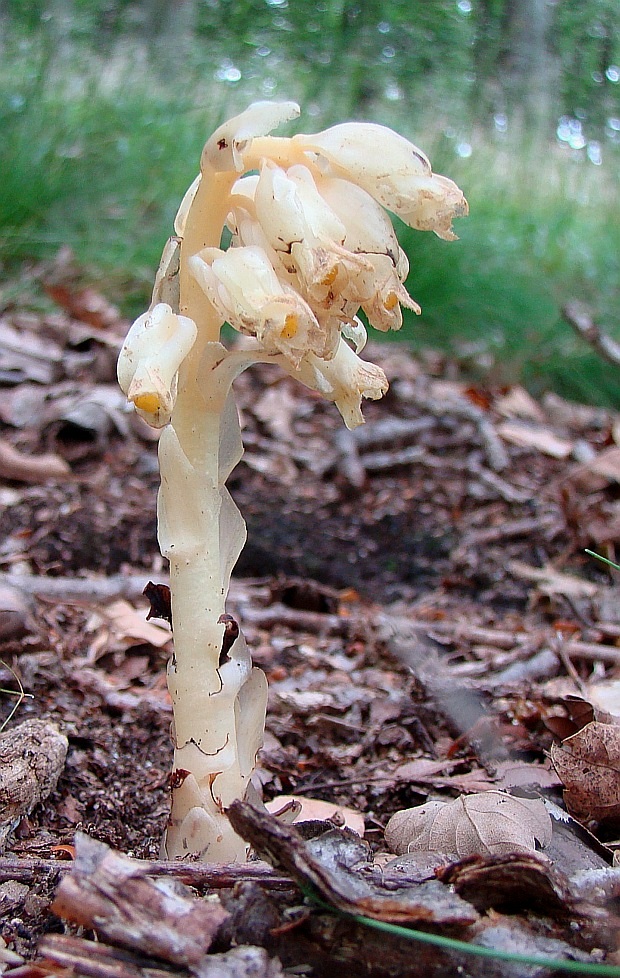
418 595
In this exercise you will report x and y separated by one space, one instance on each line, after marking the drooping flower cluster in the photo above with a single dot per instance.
312 244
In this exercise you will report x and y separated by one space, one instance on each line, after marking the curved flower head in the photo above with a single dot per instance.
152 353
243 287
394 171
366 151
224 149
431 204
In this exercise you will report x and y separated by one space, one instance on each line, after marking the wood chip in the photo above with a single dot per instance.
32 756
21 467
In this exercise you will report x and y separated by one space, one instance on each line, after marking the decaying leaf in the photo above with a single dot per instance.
607 464
309 809
552 582
336 866
518 403
277 409
581 712
588 764
537 437
126 627
23 467
486 822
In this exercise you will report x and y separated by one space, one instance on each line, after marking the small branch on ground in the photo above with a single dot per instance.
578 316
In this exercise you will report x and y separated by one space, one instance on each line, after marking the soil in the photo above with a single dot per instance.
450 524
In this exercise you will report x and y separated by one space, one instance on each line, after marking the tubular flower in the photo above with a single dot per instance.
345 380
399 176
369 231
149 361
243 287
333 241
302 228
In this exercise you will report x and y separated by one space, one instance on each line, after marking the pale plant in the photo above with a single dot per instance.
311 245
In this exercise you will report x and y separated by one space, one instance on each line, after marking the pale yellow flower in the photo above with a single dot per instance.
345 380
332 241
243 287
152 353
394 171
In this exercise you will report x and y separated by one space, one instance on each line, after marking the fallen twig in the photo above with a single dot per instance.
538 525
462 408
577 316
199 875
23 467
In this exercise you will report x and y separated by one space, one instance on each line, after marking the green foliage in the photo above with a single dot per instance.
98 167
489 54
586 37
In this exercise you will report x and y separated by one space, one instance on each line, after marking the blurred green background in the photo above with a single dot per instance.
105 105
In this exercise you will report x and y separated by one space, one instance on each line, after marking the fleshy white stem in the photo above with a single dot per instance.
215 739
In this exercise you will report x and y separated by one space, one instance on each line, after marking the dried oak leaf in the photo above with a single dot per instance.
580 713
588 764
485 822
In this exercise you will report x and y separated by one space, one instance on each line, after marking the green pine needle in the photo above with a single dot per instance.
476 950
603 559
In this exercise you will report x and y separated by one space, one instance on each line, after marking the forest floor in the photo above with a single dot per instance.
416 591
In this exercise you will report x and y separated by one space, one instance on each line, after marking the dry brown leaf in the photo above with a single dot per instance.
126 627
581 712
539 438
313 808
607 464
486 822
85 304
30 468
423 769
551 581
277 409
507 774
410 829
588 764
275 466
130 624
518 403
